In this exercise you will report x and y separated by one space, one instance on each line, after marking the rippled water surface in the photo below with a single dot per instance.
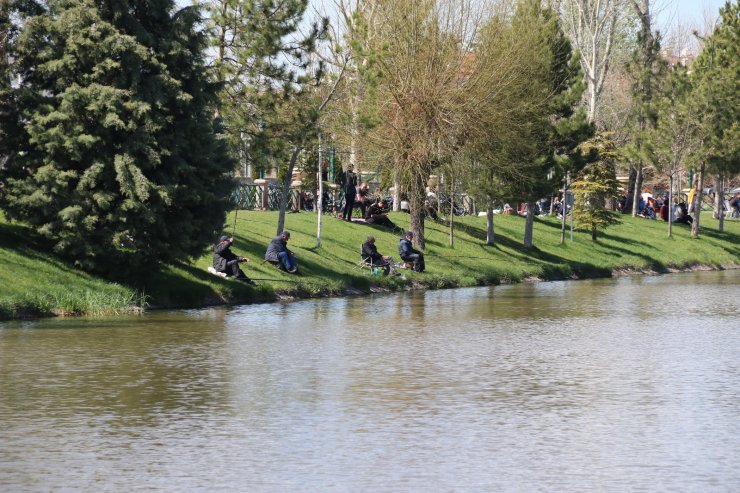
611 385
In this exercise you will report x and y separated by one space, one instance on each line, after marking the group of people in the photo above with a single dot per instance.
651 207
227 262
406 251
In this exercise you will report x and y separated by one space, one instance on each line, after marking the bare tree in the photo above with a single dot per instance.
593 27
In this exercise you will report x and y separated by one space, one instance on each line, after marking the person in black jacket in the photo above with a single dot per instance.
409 254
226 262
377 213
369 253
349 185
278 253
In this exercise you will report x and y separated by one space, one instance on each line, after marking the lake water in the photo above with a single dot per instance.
613 385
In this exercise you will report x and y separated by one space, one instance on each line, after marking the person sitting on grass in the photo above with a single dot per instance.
409 254
277 253
369 253
227 262
377 213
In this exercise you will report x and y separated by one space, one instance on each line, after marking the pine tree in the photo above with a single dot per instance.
596 186
264 64
716 76
118 162
667 144
559 126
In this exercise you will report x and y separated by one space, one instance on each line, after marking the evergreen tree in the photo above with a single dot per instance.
558 127
716 76
666 146
117 161
264 64
597 186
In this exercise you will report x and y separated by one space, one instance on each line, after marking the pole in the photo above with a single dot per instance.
319 199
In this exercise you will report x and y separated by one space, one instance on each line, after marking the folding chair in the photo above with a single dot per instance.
368 263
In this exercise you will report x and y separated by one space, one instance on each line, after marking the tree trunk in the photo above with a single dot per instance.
416 203
490 237
630 190
698 197
319 205
452 217
638 191
286 189
396 192
529 224
719 203
563 208
670 208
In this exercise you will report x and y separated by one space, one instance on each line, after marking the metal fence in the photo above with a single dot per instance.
248 196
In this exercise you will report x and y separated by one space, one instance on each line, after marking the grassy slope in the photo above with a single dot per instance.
32 280
35 282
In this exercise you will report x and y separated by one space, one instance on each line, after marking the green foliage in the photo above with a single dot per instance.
116 162
263 64
666 144
717 95
559 125
596 186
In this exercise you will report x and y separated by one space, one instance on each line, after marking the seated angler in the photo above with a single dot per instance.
277 253
226 262
409 254
369 253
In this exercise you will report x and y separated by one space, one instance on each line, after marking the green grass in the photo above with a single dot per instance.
35 282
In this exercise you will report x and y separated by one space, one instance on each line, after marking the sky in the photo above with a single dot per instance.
687 11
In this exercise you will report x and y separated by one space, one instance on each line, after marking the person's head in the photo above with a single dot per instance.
371 239
223 238
285 235
381 203
409 235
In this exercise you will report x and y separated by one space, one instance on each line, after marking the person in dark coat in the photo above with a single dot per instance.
377 213
227 262
683 216
349 185
369 253
278 253
408 253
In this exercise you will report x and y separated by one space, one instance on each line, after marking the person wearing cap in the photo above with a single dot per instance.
277 253
227 262
408 253
369 253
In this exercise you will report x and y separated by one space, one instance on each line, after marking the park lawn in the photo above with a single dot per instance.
33 281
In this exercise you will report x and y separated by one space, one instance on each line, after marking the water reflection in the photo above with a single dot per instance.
606 385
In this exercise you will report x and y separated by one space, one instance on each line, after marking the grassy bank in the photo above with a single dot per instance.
35 282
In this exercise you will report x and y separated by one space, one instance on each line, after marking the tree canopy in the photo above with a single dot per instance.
116 160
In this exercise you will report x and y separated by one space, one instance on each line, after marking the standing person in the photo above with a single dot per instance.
408 253
349 185
278 253
227 262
